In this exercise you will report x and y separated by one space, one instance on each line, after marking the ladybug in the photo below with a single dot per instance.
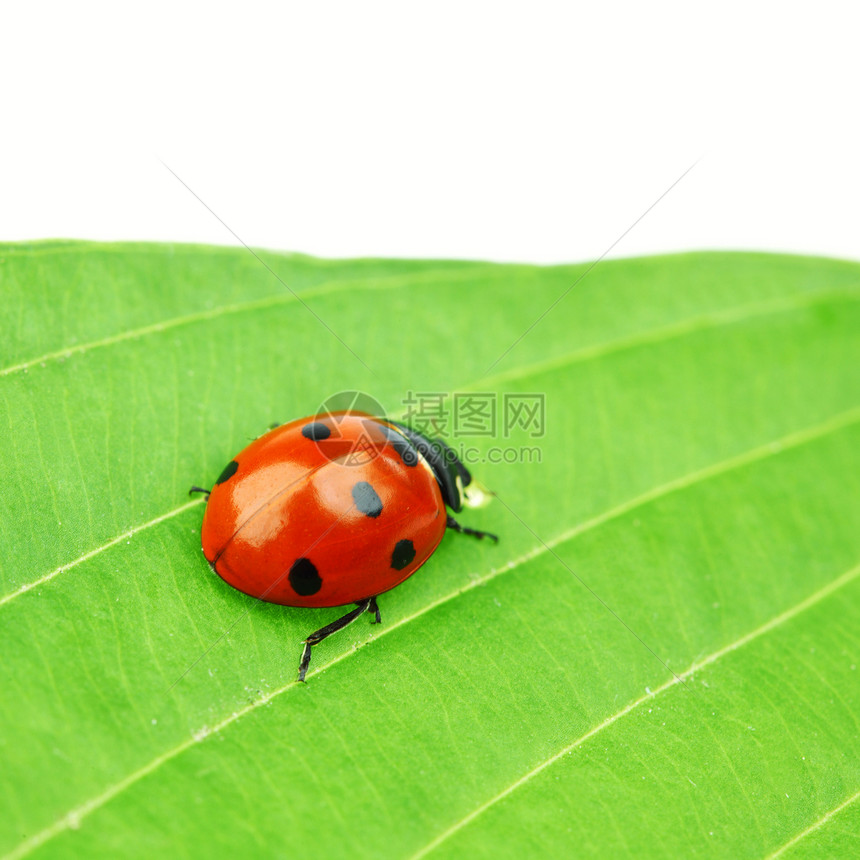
331 510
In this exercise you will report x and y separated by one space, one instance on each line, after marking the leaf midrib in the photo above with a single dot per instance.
654 337
762 452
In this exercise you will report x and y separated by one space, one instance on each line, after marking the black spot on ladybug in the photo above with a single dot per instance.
366 499
404 552
304 577
402 446
229 471
316 431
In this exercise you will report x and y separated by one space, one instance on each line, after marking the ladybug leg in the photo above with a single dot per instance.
318 636
377 619
453 524
199 490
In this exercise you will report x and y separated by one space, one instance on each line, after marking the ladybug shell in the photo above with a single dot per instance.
323 511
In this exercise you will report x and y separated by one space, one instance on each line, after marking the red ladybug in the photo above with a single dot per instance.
331 510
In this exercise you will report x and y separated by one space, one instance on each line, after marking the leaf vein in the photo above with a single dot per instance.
325 288
98 550
816 825
691 325
816 597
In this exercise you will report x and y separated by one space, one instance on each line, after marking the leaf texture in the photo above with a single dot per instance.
658 659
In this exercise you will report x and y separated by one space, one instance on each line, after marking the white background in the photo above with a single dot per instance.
528 131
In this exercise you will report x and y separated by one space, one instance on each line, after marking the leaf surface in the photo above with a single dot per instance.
659 657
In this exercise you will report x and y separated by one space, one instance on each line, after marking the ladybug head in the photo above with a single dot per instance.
451 475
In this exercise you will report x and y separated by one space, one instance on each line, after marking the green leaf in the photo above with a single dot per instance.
658 659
